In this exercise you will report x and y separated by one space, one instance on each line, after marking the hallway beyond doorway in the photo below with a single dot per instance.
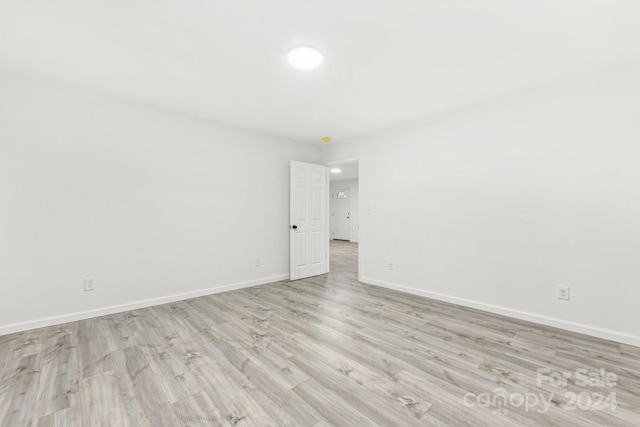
344 258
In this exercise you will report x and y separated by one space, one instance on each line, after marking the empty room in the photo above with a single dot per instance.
319 213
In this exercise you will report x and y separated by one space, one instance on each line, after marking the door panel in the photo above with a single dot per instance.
309 251
301 242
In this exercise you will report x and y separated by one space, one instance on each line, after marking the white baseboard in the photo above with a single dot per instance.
81 315
522 315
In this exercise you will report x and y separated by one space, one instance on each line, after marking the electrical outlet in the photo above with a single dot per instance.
257 262
563 292
390 265
89 284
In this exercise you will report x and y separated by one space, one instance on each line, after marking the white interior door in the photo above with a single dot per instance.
341 214
308 228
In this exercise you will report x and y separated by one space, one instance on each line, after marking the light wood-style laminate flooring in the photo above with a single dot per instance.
324 351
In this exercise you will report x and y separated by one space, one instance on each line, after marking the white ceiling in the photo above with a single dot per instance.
348 170
386 62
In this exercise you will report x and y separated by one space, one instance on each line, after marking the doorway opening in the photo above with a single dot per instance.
344 216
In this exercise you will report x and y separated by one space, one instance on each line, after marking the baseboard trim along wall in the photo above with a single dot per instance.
517 314
66 318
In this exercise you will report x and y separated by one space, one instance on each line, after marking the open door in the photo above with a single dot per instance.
308 228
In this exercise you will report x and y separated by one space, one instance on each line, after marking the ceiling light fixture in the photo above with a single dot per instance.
336 170
326 139
304 57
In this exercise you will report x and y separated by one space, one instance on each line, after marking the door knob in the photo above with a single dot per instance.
295 227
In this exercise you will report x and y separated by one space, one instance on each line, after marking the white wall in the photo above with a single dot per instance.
490 206
496 204
352 185
154 205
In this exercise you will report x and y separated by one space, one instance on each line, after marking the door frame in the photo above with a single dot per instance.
361 235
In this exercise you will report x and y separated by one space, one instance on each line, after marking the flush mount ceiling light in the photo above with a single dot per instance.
326 139
304 57
336 170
